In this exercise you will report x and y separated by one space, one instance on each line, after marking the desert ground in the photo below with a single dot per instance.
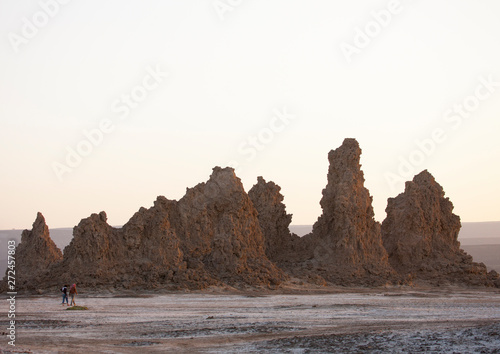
405 320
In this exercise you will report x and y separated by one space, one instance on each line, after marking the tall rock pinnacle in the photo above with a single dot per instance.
347 239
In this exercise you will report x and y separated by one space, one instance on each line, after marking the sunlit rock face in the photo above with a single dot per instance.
34 255
345 246
420 234
346 239
274 221
220 233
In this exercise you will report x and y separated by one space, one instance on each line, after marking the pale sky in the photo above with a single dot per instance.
106 105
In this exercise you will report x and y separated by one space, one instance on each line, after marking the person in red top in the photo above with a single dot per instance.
72 293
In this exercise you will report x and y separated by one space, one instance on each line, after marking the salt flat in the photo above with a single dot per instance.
396 320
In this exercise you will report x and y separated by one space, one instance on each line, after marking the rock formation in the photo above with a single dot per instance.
420 234
345 247
34 255
274 221
220 231
95 255
209 237
346 241
154 248
217 234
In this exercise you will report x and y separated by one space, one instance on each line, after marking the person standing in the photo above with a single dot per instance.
65 294
72 293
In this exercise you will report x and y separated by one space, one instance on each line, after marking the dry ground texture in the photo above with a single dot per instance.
216 321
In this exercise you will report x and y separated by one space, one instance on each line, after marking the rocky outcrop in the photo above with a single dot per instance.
420 234
217 234
144 254
209 237
220 232
95 256
34 255
280 244
153 249
346 244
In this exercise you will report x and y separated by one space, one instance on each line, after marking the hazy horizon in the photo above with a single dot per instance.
487 229
105 106
291 226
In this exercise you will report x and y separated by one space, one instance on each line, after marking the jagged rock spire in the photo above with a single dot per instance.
347 239
420 234
273 219
35 254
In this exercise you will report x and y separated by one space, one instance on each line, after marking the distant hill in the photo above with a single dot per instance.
488 254
301 230
471 232
480 233
480 239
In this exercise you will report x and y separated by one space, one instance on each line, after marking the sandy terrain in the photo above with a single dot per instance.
383 320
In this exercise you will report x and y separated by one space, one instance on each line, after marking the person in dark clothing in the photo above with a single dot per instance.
65 294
